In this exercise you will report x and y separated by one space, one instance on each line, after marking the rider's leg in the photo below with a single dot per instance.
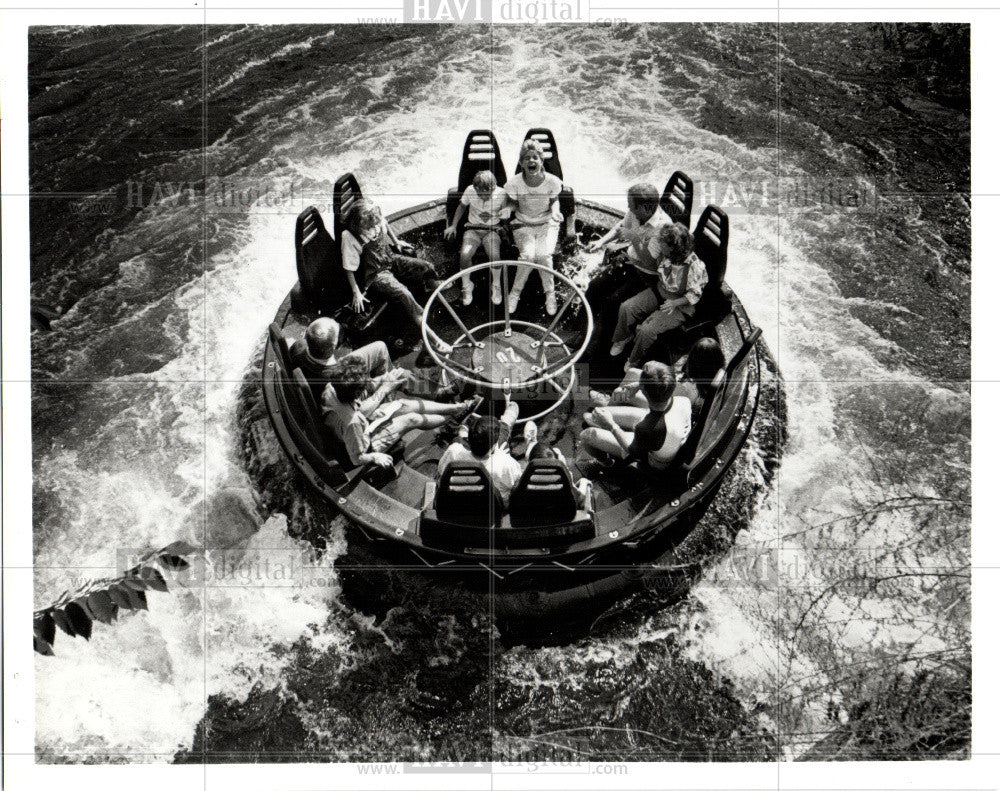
420 406
630 314
657 323
600 440
470 243
526 242
491 243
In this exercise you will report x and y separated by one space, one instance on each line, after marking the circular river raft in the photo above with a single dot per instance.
544 565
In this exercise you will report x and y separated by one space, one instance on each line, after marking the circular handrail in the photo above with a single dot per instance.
470 375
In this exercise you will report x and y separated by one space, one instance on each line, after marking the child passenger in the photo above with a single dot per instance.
535 193
371 261
666 305
485 202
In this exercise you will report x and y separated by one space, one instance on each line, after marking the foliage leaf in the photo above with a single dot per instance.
119 596
102 607
63 622
45 628
80 619
42 647
153 579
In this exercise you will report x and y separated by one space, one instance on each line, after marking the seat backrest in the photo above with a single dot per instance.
543 496
678 198
317 258
481 152
744 350
711 243
309 410
466 495
280 346
346 191
687 451
550 155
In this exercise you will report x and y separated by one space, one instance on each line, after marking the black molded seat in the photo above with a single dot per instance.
466 496
317 261
550 160
481 152
678 198
711 245
306 427
686 452
280 345
467 512
544 495
347 191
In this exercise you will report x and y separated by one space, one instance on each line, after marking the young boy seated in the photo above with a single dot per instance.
652 435
362 416
485 203
487 443
622 276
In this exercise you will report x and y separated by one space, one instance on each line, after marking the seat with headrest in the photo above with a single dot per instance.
306 429
687 451
280 345
544 495
711 244
466 495
550 160
346 192
678 198
480 152
317 261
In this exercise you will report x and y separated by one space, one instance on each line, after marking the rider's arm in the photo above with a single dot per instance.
611 235
509 416
459 213
370 404
352 281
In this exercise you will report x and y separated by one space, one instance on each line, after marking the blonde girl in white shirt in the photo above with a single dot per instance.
535 195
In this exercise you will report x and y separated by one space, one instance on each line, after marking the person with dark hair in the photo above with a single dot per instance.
316 355
703 362
624 273
653 434
700 366
373 263
668 304
368 418
486 442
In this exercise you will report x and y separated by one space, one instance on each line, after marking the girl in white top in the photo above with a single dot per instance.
486 203
535 193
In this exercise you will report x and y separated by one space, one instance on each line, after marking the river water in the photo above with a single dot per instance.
842 156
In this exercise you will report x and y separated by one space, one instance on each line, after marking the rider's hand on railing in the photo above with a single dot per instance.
449 232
